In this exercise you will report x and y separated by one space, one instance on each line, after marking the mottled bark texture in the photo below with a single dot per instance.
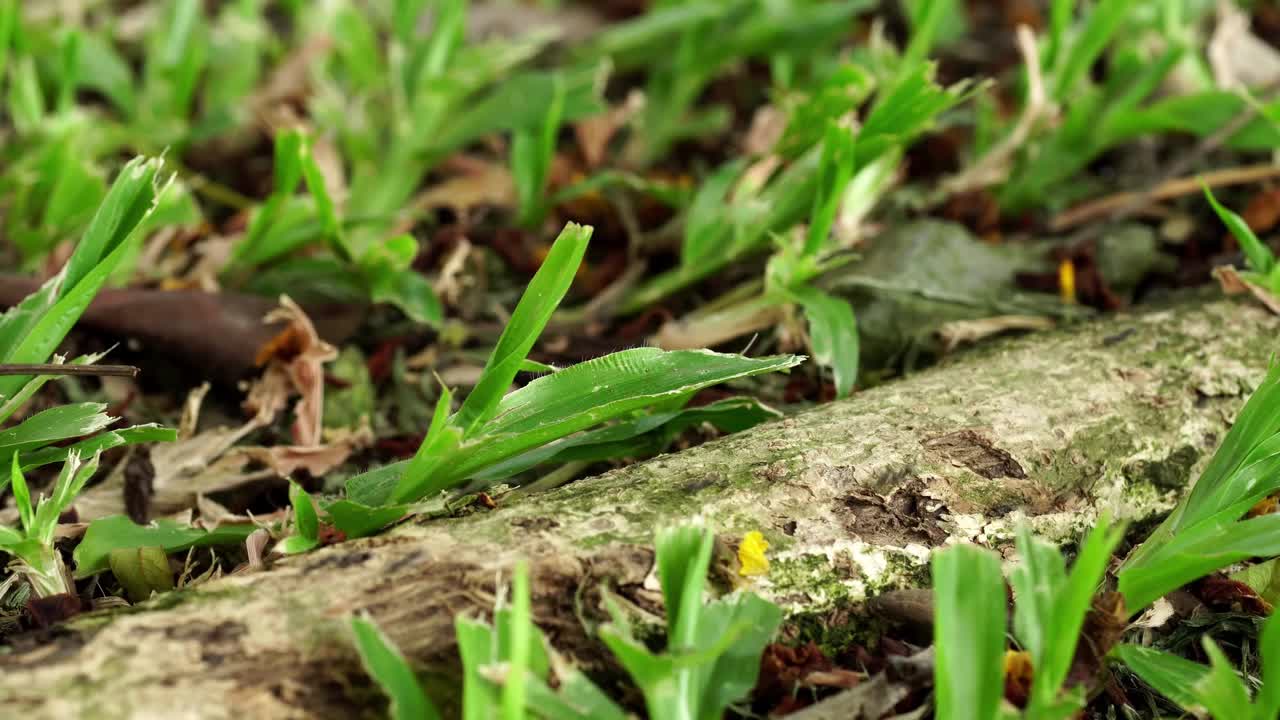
1117 414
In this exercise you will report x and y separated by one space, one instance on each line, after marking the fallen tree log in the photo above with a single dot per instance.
1116 414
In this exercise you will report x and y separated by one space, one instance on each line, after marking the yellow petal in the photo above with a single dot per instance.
751 554
1067 281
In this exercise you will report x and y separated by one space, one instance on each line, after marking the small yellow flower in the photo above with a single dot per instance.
1067 281
751 554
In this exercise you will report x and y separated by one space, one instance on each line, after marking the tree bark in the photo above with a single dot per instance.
1113 415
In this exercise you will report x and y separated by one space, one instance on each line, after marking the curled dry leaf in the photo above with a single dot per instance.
478 183
201 463
295 361
595 133
1239 58
1234 284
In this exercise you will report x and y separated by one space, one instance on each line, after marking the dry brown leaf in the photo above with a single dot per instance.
1239 58
959 332
1234 284
297 355
596 132
767 126
201 463
481 183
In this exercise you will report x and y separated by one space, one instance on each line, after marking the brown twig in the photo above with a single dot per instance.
1123 204
64 369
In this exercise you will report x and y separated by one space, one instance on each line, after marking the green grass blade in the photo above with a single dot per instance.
835 170
1103 22
1260 257
32 331
54 424
1172 676
683 554
1052 606
521 642
8 25
927 22
968 633
384 663
304 512
21 495
118 531
545 291
1256 423
581 397
1221 691
150 433
477 646
705 229
1195 553
1268 700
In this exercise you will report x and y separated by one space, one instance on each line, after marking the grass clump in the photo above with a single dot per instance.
710 661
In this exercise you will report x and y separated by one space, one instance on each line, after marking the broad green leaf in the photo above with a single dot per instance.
647 434
141 571
556 406
752 621
587 394
357 520
54 424
119 532
98 443
545 291
968 633
833 334
384 663
409 291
